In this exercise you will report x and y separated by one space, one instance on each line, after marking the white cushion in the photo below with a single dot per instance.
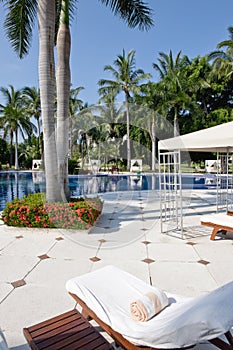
3 344
218 219
186 321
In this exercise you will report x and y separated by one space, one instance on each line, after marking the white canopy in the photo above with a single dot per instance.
215 139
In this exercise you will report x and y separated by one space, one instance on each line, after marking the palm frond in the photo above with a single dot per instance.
135 13
216 55
224 43
19 24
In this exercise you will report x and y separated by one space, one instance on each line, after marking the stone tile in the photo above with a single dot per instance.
14 268
217 250
74 249
117 251
94 259
221 271
59 239
5 289
146 242
19 283
184 278
172 252
33 244
43 256
54 273
148 261
203 262
6 238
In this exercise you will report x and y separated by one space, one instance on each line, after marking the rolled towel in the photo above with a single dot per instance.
148 305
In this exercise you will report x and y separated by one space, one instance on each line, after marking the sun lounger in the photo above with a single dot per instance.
105 295
3 344
219 222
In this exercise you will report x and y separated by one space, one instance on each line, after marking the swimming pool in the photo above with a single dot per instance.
18 184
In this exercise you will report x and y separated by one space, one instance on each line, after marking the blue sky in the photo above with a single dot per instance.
194 27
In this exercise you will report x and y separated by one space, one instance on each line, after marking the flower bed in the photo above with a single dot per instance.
32 211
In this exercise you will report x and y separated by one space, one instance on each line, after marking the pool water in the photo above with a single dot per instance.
19 184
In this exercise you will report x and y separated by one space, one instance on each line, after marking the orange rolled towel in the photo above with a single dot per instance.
148 305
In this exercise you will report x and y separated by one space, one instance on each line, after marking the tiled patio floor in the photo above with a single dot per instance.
36 263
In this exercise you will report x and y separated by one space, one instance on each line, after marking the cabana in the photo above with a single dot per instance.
217 139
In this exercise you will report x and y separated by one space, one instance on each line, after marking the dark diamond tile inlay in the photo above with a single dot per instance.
95 259
191 243
102 240
19 236
59 239
203 262
148 261
18 283
146 242
144 229
44 256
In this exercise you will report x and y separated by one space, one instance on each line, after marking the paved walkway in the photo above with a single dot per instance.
36 263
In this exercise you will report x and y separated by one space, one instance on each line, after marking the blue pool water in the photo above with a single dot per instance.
19 184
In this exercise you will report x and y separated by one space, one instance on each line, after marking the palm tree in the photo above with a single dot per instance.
31 97
14 119
19 31
111 123
75 105
223 61
135 13
127 79
173 84
46 19
63 82
150 99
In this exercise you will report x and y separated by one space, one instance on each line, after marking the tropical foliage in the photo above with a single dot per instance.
14 119
54 21
127 79
190 93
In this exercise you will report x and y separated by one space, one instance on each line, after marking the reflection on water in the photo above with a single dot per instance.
111 183
16 185
19 184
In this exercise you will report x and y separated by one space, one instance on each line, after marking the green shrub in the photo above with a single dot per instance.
32 211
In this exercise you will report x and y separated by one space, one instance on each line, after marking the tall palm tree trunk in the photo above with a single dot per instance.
128 133
16 151
46 19
153 139
63 88
11 148
39 137
176 124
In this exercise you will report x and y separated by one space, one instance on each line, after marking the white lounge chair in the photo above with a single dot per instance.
105 295
219 222
3 343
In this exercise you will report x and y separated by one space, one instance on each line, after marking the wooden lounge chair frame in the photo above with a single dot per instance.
217 229
67 331
127 345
